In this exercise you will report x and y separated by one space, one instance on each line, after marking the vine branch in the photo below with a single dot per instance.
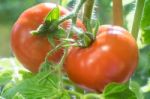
75 13
137 18
88 7
117 13
73 16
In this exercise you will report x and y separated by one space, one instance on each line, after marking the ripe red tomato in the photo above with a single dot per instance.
31 50
112 57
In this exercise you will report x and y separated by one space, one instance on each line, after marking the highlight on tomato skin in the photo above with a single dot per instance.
31 50
112 57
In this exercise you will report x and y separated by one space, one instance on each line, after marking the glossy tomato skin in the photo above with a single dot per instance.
31 50
112 57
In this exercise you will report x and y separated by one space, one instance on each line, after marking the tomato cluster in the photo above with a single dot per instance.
112 57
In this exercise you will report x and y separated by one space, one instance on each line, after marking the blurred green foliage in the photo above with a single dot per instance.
9 12
11 9
145 25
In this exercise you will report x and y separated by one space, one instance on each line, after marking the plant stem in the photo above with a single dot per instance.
92 95
52 51
78 7
137 18
75 12
73 16
55 24
117 13
65 18
75 93
88 8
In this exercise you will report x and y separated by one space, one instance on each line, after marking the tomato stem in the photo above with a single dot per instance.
117 13
88 8
73 14
65 18
44 28
52 51
74 17
78 7
137 18
77 94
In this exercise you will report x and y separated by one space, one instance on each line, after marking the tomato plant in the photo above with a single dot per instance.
31 50
112 57
75 60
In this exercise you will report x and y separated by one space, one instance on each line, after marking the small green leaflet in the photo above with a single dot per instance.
18 96
41 30
88 25
118 91
135 87
47 66
96 29
5 77
36 87
43 85
145 23
51 39
11 73
11 68
60 33
57 34
85 40
48 26
53 15
142 73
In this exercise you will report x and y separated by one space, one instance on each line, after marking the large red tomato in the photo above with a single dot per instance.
112 57
31 50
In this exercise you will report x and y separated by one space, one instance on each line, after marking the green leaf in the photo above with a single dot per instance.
118 91
88 25
53 15
60 33
25 74
41 30
147 95
48 25
57 34
85 40
51 39
142 73
65 95
18 96
135 87
47 66
11 72
146 90
145 23
5 77
37 87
